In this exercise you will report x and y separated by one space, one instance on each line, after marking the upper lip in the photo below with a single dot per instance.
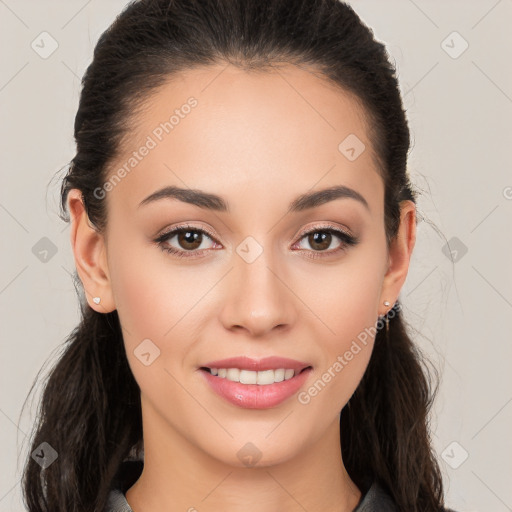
267 363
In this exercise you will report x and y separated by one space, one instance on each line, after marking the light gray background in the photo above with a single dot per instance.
460 113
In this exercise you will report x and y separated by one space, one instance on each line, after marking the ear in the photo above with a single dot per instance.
400 252
90 255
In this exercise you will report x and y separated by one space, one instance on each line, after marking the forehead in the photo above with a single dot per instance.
232 132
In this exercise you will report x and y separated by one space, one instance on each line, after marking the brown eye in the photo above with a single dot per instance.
320 240
189 240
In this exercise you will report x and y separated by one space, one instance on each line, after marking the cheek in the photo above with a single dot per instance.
151 293
346 302
155 303
344 359
345 297
157 300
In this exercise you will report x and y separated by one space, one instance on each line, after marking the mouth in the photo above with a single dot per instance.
260 377
257 386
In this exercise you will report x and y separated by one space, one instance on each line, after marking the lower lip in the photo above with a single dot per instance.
255 396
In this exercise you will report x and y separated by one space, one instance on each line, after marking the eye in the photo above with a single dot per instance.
320 238
189 239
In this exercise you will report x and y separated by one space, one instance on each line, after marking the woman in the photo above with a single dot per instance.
242 225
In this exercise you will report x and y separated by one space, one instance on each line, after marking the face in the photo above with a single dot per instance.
258 271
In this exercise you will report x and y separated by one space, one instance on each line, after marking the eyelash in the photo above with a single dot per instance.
346 241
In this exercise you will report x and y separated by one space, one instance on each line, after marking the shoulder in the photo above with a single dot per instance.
377 499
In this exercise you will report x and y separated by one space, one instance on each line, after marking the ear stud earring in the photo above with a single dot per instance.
96 300
387 303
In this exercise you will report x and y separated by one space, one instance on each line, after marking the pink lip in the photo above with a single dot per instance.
255 396
267 363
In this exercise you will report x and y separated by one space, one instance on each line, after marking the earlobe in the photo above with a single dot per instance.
89 252
400 252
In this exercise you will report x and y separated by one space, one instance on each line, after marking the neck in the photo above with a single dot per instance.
180 476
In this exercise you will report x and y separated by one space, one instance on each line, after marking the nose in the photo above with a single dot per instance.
258 298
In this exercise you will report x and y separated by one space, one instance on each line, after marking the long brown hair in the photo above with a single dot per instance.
90 411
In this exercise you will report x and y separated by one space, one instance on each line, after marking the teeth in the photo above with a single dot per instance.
263 377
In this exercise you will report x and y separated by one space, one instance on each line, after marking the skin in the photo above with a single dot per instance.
259 140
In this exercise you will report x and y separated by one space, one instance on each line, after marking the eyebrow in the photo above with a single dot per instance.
214 202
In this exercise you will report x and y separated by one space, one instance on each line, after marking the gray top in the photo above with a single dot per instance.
117 502
376 498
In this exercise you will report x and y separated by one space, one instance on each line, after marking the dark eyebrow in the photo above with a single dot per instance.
188 195
313 199
213 202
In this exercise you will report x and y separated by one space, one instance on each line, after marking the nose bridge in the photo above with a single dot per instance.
257 298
